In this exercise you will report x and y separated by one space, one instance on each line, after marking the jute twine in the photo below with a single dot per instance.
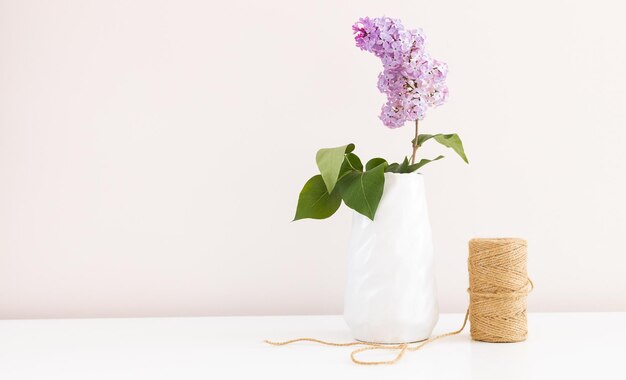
499 285
498 289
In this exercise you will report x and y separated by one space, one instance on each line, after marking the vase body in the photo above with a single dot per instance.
391 291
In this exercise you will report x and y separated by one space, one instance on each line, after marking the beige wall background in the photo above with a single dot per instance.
151 152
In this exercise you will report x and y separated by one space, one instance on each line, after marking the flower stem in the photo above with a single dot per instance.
415 146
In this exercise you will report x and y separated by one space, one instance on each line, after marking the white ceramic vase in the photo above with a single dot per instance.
391 291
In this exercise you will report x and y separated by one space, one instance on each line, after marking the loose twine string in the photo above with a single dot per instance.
499 286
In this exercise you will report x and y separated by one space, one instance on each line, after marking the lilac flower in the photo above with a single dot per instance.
411 79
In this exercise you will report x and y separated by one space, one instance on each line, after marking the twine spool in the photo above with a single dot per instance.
499 286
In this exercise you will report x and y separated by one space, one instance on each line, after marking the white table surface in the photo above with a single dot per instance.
560 346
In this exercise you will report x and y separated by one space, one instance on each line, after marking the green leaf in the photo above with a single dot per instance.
422 139
374 162
315 202
329 161
404 166
451 140
350 163
345 168
422 162
361 191
354 162
392 168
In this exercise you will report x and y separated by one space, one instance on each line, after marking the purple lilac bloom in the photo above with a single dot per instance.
411 79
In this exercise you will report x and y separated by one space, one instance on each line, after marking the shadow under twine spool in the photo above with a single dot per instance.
499 286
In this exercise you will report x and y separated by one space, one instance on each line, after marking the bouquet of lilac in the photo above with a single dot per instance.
413 82
411 79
